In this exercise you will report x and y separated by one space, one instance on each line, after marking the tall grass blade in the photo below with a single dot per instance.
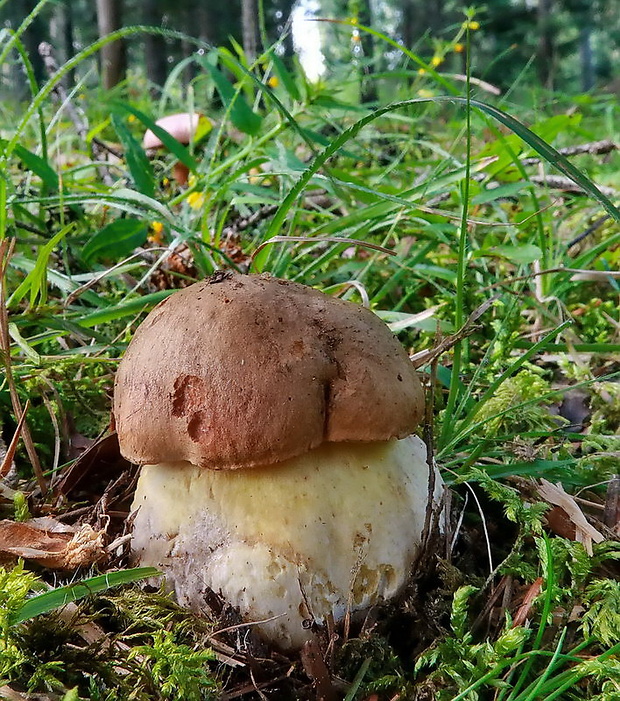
57 598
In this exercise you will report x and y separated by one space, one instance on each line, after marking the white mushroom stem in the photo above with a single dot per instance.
335 529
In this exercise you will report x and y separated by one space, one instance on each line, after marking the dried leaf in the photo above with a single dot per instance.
316 669
584 532
559 522
525 609
100 461
51 543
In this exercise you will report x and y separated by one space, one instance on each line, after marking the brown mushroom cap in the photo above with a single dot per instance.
248 370
181 126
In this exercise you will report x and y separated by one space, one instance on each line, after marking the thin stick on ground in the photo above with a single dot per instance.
6 251
12 447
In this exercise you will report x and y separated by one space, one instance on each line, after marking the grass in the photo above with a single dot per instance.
424 203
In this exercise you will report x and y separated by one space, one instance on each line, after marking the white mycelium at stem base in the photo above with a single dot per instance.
274 424
339 523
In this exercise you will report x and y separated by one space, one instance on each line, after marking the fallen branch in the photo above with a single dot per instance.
594 148
559 182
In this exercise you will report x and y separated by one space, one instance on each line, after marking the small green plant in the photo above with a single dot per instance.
15 586
543 660
524 664
177 671
20 504
512 411
466 663
602 617
18 607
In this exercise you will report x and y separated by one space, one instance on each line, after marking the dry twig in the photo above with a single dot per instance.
6 251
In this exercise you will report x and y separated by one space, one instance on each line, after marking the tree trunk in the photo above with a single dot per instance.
113 55
407 23
249 25
419 19
11 72
546 52
155 50
585 52
435 17
206 22
586 21
61 36
368 91
187 47
32 37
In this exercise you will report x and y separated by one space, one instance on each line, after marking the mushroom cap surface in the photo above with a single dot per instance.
241 371
182 127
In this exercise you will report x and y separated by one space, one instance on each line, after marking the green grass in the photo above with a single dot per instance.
422 203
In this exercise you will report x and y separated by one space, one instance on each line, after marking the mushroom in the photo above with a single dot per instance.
183 127
275 428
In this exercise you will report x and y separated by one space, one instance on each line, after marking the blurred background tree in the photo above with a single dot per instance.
567 45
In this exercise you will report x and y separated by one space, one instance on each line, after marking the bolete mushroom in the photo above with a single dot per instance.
275 428
185 127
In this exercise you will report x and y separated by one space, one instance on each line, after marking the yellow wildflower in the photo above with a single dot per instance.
459 48
157 233
195 200
421 71
273 82
473 25
255 176
436 61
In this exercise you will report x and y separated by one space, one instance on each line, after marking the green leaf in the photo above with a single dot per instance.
203 129
137 162
28 350
241 115
55 278
497 192
520 255
546 151
36 280
284 77
56 598
135 203
534 468
115 240
550 128
332 103
37 165
130 308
